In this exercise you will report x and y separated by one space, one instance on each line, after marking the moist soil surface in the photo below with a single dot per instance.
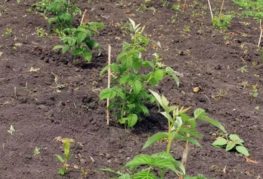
44 94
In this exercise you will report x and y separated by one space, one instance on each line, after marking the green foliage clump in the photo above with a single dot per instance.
59 13
222 21
78 41
232 142
132 77
181 127
252 8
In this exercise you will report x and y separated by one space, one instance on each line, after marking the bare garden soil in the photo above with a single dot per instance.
44 94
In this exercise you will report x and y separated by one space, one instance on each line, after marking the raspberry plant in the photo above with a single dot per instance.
59 13
78 41
132 77
181 127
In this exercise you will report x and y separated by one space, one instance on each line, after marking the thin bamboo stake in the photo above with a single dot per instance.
83 16
221 8
210 8
261 33
109 84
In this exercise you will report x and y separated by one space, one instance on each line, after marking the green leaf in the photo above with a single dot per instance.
142 159
146 174
108 93
157 76
201 115
92 44
173 74
199 112
155 138
242 150
87 55
220 141
137 86
125 176
62 171
230 145
236 138
132 120
60 158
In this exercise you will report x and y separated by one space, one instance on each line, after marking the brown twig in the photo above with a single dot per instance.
261 33
210 8
83 16
109 84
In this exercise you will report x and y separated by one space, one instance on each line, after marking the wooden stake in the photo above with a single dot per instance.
83 16
221 8
109 84
261 33
210 8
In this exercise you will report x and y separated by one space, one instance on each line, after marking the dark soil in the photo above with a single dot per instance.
60 98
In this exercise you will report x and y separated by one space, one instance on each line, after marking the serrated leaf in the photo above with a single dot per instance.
242 150
144 175
220 141
125 176
236 138
155 138
132 120
142 159
201 115
108 93
230 145
173 74
137 86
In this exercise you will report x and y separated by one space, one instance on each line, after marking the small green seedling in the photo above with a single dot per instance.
232 142
40 32
11 130
254 91
78 41
8 32
222 21
64 159
36 151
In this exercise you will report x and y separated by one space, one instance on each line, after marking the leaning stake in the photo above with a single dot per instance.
210 8
261 33
109 82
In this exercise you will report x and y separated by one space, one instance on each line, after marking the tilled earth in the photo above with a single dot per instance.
44 94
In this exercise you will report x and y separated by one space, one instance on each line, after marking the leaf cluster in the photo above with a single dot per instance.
181 127
251 8
132 76
58 12
232 142
222 21
78 41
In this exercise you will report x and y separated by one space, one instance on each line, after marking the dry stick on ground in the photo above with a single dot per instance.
210 8
83 16
261 33
221 8
109 83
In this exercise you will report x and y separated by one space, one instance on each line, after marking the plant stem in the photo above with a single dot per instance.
210 8
261 33
109 83
169 144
